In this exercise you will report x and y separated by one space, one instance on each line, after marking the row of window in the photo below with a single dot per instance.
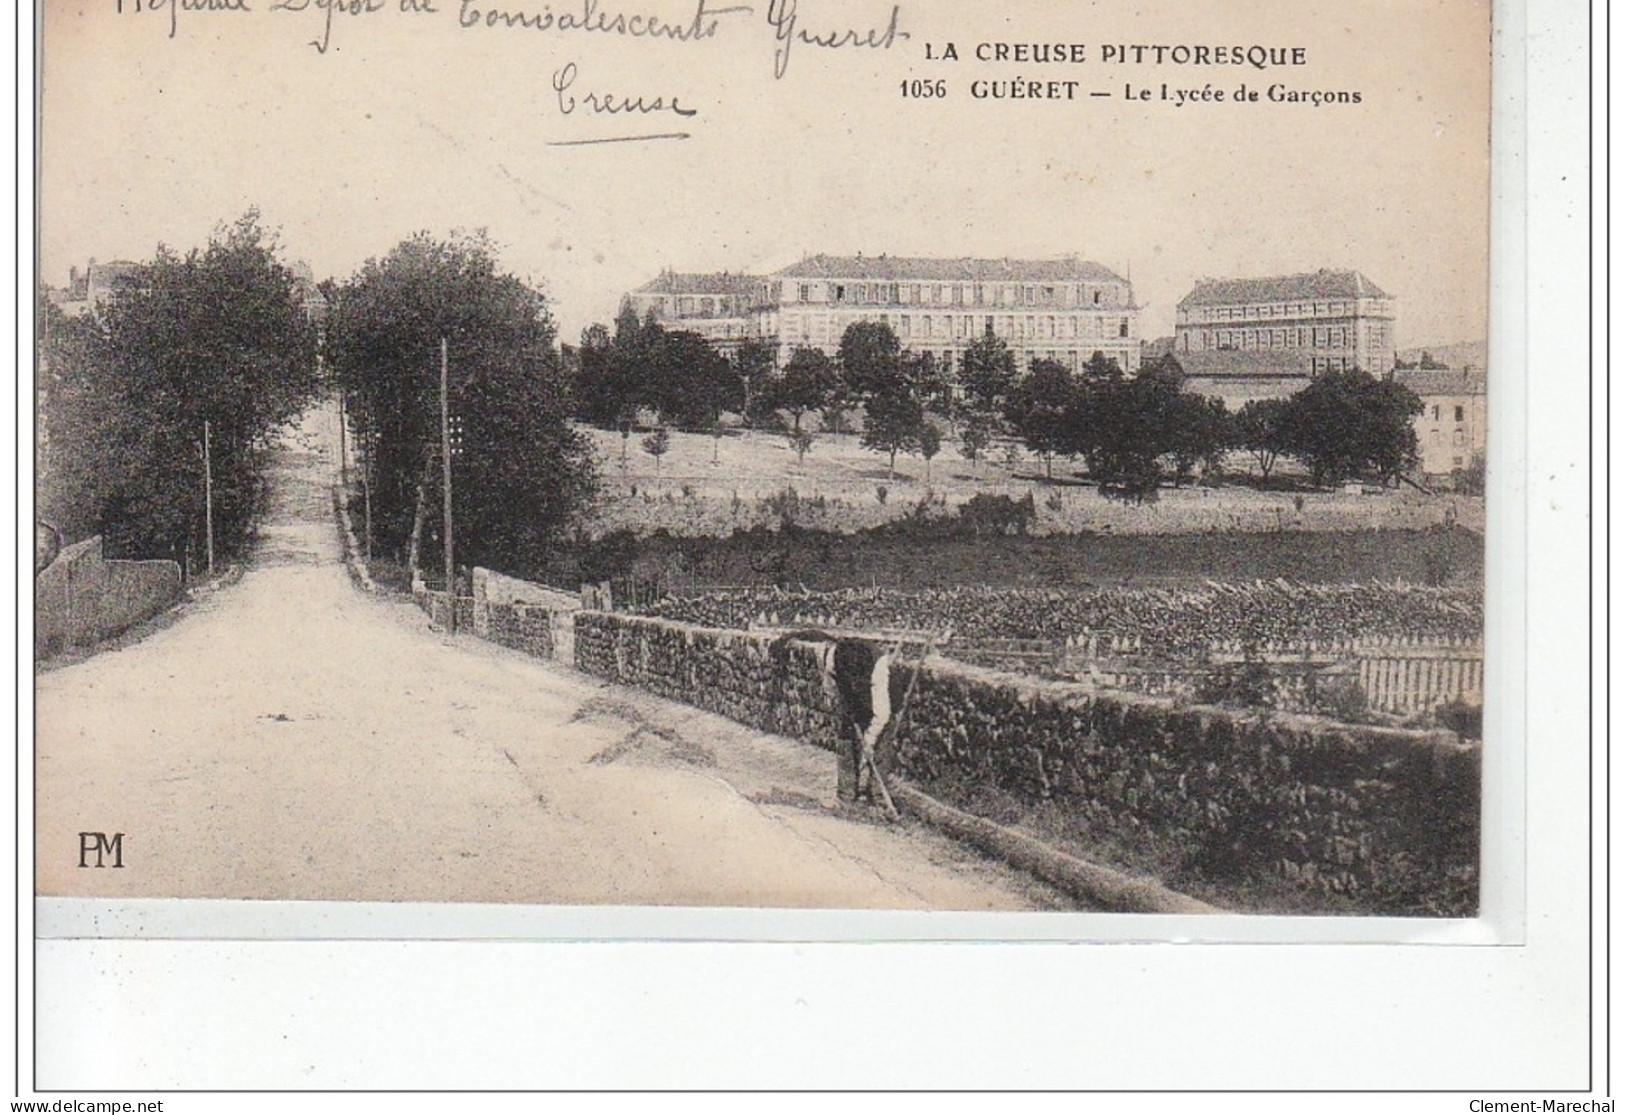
1291 338
701 306
1461 413
967 326
1071 359
960 294
1277 309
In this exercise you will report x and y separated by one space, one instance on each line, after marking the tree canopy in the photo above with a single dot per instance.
522 472
1349 423
218 335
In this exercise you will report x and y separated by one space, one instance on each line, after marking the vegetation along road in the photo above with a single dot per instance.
288 737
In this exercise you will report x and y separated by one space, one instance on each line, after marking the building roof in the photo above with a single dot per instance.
1230 363
1441 382
1311 286
716 282
903 268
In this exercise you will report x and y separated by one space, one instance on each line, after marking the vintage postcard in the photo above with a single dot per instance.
720 460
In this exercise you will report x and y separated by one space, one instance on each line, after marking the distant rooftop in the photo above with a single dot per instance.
1264 363
1310 286
903 268
716 282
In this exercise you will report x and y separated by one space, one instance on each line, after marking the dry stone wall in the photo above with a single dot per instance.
1385 818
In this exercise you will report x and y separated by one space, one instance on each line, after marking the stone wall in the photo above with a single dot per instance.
82 598
1385 818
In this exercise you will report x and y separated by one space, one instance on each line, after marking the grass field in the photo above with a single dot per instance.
707 486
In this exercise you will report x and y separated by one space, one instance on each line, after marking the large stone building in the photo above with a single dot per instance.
1314 322
1064 310
720 307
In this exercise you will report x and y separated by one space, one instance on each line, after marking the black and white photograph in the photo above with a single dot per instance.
648 460
533 493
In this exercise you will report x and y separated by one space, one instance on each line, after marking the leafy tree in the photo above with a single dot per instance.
1349 423
892 419
976 436
616 371
601 396
523 474
1260 427
691 383
1197 431
987 375
810 382
929 442
1100 368
871 360
657 445
753 365
930 381
1131 427
215 336
1044 410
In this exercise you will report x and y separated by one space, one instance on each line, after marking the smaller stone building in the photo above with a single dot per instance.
1451 429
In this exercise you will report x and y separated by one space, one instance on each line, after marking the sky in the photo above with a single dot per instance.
159 124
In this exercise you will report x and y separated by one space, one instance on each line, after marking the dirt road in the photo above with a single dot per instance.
288 737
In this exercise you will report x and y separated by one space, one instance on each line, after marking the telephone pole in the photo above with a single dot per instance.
445 485
208 495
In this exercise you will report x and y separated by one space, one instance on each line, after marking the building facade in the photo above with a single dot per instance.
721 307
1329 320
1064 310
1450 431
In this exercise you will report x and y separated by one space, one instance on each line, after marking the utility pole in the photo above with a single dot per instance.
344 456
208 495
445 486
366 496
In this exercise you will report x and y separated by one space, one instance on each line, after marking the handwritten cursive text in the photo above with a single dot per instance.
177 6
591 17
782 15
331 7
612 104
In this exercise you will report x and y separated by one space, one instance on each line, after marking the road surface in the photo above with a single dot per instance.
290 737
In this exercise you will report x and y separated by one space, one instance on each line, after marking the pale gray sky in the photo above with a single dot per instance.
411 122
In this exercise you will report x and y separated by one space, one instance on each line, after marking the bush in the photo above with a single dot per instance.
1466 720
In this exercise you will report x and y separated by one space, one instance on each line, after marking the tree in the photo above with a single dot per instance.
218 336
691 383
753 365
976 436
987 375
523 474
1044 410
616 370
1260 428
801 441
657 445
929 442
1196 431
892 419
1349 423
1131 432
929 379
871 360
810 382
